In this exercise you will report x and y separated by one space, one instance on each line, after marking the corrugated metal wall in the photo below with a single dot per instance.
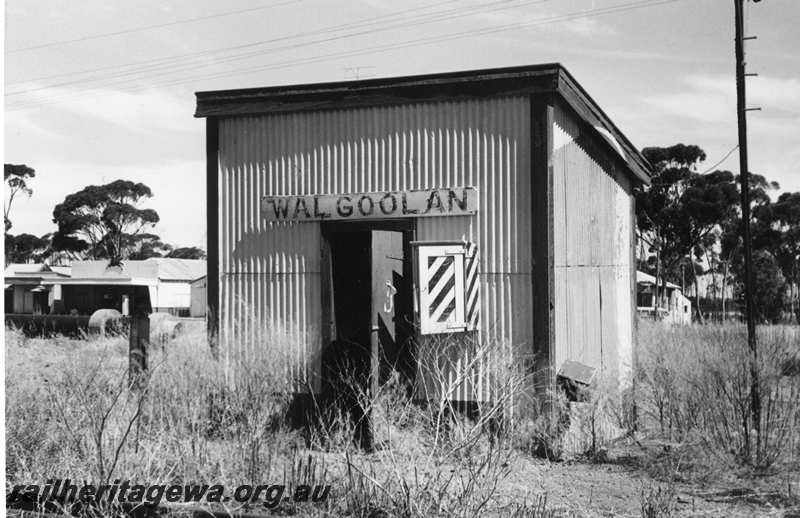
270 272
592 239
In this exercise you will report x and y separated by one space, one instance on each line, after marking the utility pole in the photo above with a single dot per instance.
741 108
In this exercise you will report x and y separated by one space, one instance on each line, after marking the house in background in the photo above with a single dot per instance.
96 285
674 307
28 289
86 286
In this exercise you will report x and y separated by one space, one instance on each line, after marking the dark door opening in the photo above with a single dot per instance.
371 315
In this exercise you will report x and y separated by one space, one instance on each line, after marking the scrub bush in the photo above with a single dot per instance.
694 384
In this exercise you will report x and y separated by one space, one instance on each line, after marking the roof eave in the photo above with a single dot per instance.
550 78
382 91
579 99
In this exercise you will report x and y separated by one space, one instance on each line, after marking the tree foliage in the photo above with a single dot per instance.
679 214
190 252
687 218
26 248
104 221
16 178
776 230
147 246
769 286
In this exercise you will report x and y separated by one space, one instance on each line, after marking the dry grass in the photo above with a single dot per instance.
71 414
192 422
694 387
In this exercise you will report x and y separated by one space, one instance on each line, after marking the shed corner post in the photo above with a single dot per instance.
634 317
212 231
542 234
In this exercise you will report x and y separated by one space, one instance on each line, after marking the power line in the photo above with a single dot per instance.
734 148
148 27
177 57
109 81
422 19
437 39
395 45
391 46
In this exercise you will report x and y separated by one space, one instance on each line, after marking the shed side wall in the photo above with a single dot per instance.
592 205
270 272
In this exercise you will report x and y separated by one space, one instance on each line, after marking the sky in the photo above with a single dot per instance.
99 90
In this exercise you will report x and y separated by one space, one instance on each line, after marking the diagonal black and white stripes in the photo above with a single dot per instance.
449 288
472 305
442 287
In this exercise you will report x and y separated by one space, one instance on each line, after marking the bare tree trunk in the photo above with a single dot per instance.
656 299
724 287
697 298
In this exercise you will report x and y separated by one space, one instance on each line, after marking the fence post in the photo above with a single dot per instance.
139 337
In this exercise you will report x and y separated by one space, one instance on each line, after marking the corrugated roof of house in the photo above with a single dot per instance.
647 278
170 269
33 270
62 270
18 268
101 269
166 269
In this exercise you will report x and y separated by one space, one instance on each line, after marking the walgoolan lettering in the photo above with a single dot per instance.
451 201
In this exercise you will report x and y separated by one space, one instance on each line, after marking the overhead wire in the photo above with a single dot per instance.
169 68
453 36
728 154
110 81
148 27
398 45
438 39
207 52
395 45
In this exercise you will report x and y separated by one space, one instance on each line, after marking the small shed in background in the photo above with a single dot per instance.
673 308
172 293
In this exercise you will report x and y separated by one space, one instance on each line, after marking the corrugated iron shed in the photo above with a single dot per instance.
554 225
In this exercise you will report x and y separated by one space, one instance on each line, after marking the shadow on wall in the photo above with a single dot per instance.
278 248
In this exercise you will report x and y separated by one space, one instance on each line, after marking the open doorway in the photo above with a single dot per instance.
370 314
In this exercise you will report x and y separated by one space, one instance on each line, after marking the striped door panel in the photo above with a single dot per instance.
471 284
448 286
442 288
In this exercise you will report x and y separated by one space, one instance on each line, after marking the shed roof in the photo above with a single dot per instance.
170 269
524 80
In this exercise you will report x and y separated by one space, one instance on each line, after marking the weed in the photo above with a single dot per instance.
658 501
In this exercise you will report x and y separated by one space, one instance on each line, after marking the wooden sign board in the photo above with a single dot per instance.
453 201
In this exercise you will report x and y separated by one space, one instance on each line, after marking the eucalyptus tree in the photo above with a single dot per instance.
105 221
